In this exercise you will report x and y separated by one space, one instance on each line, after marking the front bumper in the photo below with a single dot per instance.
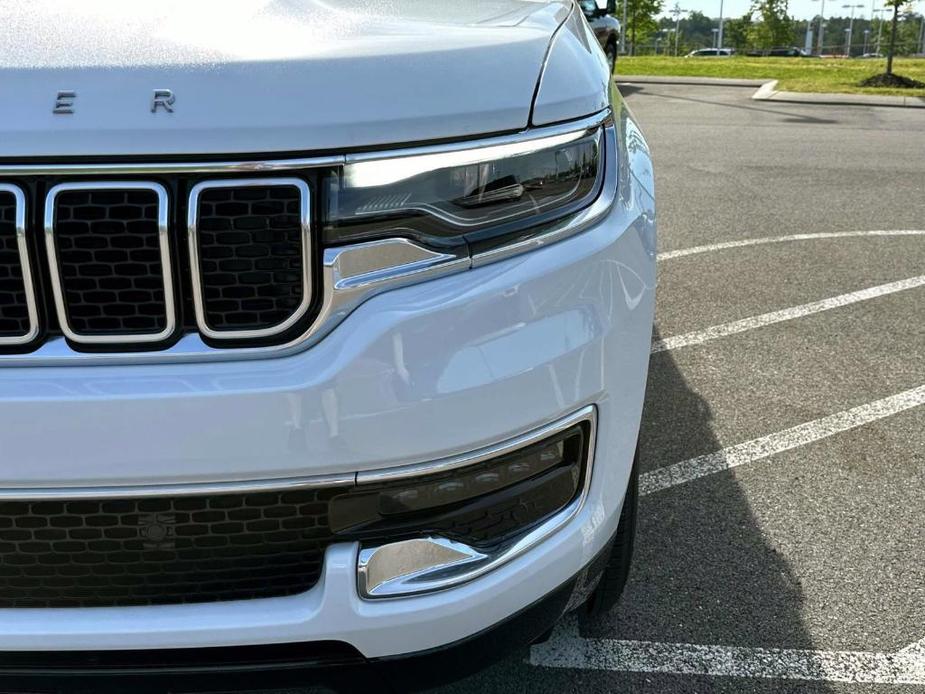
328 664
414 375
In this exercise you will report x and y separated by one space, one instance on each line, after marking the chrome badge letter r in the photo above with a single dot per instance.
163 98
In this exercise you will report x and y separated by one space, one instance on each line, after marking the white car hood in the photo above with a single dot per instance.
265 76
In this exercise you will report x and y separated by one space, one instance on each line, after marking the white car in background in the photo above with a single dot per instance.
324 331
711 53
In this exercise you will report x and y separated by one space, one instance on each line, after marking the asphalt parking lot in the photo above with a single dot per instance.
781 544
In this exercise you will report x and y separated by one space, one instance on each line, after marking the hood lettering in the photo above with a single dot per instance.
163 98
64 102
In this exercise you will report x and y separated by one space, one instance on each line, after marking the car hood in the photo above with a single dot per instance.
266 76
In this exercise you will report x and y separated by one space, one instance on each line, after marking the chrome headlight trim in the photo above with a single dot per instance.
424 565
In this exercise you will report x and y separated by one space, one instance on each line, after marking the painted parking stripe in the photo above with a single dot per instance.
566 649
709 248
772 444
740 326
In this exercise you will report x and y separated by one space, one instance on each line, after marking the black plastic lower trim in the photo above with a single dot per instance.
331 664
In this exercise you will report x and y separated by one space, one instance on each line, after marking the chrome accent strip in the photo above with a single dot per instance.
368 173
578 128
459 563
574 224
170 490
290 483
163 242
196 270
28 285
136 168
350 276
494 451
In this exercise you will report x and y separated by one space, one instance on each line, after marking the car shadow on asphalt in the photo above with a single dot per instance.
703 573
787 112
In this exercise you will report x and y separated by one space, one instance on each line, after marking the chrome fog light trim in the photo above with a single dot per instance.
424 565
398 567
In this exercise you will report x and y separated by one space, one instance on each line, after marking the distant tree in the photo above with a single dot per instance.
774 27
891 51
640 15
696 30
889 78
735 32
699 23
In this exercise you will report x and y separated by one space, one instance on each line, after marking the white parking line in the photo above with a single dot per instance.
681 253
766 446
739 326
566 649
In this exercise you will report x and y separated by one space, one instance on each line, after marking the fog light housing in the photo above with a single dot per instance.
430 532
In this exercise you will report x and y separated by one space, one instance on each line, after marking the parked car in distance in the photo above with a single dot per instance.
781 52
711 53
599 14
868 56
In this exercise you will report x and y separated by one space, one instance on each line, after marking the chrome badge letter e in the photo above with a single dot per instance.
64 102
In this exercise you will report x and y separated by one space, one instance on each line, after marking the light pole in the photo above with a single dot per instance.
922 36
850 29
719 38
623 31
821 26
866 40
677 12
715 33
879 29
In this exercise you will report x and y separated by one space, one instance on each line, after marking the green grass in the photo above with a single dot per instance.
795 74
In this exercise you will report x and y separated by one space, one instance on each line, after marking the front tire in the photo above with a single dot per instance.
613 580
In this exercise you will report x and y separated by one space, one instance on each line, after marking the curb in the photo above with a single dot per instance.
768 91
703 81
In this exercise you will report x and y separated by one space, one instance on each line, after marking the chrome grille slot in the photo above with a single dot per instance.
109 258
18 320
250 253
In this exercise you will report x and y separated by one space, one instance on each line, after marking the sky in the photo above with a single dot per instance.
800 9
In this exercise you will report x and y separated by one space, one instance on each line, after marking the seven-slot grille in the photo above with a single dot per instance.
117 552
116 268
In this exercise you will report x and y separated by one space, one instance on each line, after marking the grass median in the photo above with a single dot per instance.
828 75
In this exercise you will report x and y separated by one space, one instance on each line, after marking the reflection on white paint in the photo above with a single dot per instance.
517 350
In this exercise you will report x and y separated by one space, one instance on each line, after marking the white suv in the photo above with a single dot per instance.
324 331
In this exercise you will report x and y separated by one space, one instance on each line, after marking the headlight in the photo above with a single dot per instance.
465 195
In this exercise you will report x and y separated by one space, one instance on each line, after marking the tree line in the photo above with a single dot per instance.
766 25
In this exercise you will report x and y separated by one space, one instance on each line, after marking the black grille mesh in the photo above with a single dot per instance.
161 551
14 316
250 246
109 260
